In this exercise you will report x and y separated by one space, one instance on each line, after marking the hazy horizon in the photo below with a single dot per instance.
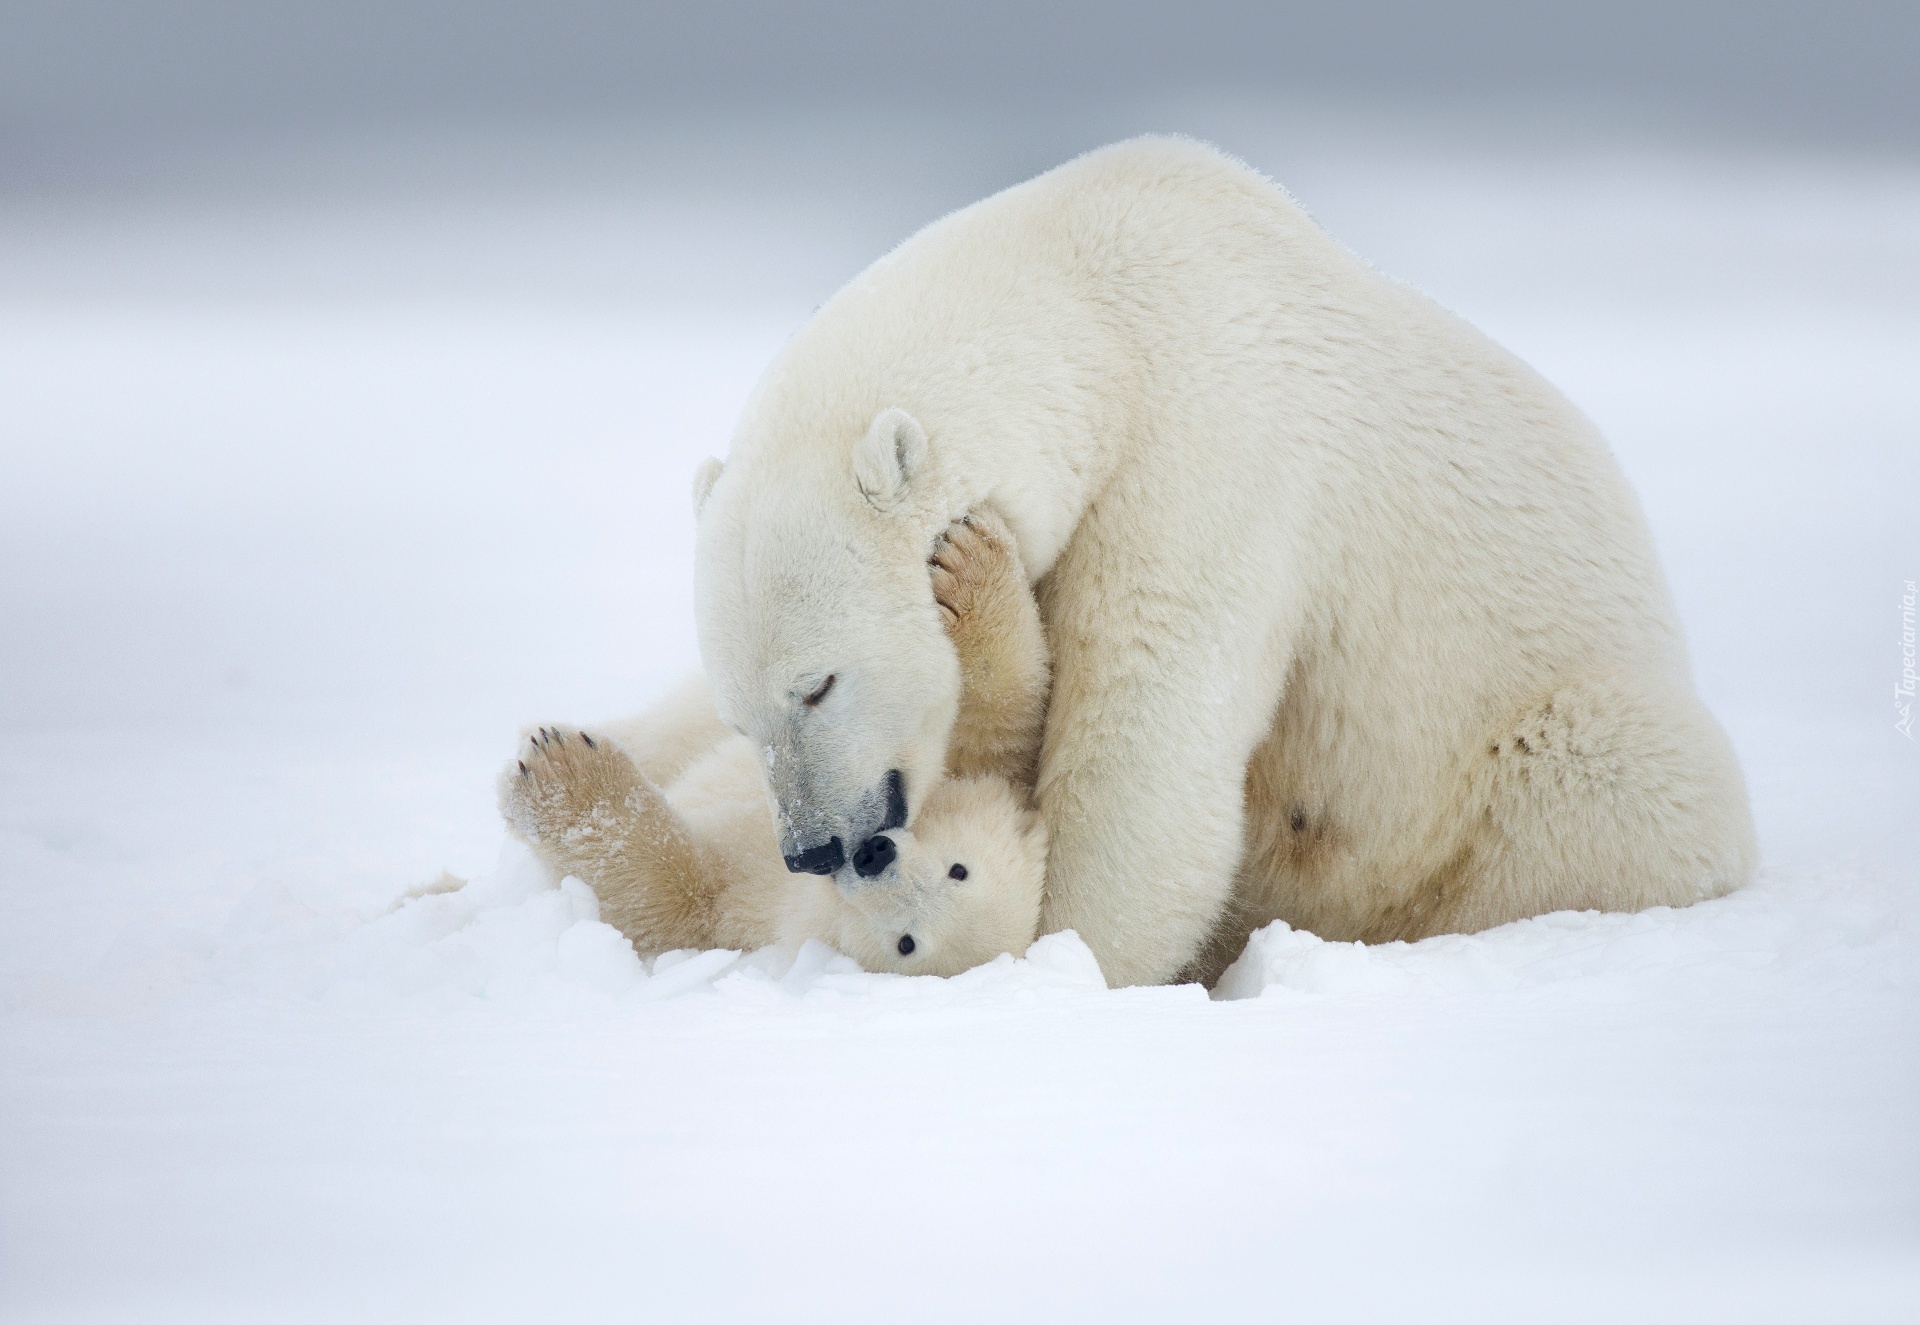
94 80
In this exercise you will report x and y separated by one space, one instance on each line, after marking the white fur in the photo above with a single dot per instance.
692 861
667 821
888 457
1354 621
982 823
705 475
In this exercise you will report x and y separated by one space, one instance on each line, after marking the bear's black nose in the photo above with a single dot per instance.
823 859
905 945
873 856
896 801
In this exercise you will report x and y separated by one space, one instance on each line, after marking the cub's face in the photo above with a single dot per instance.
964 886
820 635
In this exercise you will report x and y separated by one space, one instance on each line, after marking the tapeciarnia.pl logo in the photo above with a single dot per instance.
1903 693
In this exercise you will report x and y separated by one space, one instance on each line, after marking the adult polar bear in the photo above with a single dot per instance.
1354 621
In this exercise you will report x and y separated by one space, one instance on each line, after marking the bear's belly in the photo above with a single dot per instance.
1355 828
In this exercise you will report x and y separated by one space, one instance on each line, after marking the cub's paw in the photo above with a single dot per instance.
567 791
976 572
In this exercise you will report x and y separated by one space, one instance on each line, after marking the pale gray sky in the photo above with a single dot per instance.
1835 72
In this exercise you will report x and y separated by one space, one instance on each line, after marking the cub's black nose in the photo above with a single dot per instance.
873 856
823 859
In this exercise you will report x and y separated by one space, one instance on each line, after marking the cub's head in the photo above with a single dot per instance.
960 889
819 633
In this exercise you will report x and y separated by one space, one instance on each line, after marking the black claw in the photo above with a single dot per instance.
523 766
588 739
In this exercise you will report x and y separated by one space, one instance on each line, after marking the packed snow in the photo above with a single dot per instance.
319 485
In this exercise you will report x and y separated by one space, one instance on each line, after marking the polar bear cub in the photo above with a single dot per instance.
668 822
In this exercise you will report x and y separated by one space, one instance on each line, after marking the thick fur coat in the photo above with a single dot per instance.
666 818
1354 621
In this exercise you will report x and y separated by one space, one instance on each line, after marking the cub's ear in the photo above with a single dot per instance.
704 478
888 457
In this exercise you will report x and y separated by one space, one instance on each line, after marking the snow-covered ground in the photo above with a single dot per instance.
313 490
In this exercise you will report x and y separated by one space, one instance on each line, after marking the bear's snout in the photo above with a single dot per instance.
896 801
826 858
873 856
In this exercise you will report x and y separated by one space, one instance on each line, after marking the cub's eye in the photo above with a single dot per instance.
957 873
813 700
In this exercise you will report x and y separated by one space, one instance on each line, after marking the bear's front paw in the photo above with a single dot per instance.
567 792
975 569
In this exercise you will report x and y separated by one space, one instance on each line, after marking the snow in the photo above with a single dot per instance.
314 495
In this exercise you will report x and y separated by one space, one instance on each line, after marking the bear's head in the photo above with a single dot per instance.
961 888
820 635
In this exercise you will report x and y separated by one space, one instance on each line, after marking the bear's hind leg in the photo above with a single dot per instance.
1603 796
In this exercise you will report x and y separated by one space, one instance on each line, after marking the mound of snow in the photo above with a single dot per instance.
1826 925
514 934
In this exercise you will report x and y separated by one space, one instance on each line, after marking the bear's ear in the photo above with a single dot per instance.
888 457
704 478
